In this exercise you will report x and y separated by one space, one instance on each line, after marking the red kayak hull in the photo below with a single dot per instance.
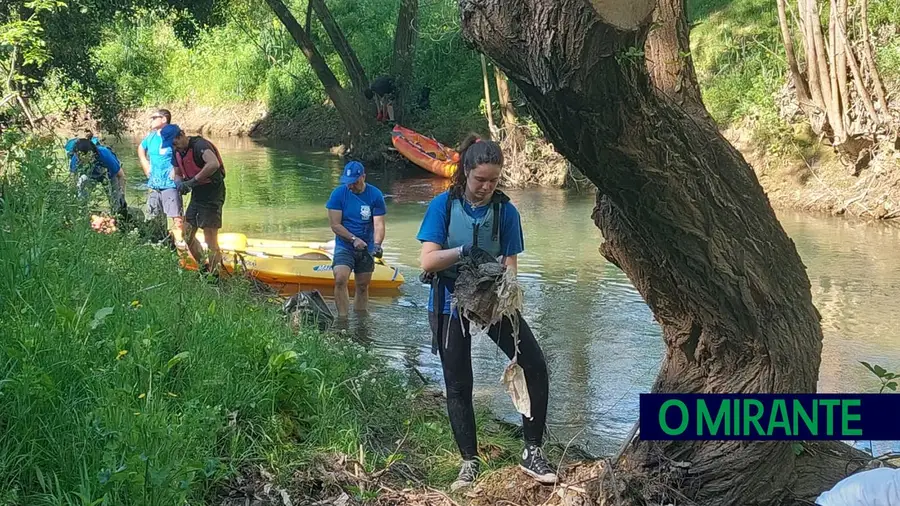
425 152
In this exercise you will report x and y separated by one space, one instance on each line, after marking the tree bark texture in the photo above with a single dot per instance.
405 37
347 107
669 61
342 46
682 214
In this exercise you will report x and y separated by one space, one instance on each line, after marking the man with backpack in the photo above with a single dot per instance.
200 171
92 164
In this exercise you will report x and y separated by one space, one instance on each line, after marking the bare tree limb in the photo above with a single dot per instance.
812 64
487 97
868 58
840 61
857 76
799 83
828 94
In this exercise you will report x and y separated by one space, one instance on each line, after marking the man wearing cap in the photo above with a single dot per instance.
157 157
356 211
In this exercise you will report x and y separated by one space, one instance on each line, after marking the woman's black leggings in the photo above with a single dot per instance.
456 358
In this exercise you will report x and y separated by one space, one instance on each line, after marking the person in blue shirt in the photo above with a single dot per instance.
93 164
356 212
475 220
157 157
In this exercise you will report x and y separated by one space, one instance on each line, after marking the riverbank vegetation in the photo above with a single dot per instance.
127 380
256 81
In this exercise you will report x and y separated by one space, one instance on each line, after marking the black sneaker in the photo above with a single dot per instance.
467 473
535 465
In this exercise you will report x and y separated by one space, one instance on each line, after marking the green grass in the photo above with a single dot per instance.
126 380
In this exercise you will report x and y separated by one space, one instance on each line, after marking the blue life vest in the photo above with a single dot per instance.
464 229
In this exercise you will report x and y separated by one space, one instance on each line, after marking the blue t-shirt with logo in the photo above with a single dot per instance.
358 211
158 145
106 159
435 223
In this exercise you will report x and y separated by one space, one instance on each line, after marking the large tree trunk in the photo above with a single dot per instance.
348 56
683 215
348 108
405 36
669 61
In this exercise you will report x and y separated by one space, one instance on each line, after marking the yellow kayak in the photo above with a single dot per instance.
289 263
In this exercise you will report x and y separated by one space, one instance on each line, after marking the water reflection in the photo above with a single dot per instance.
602 344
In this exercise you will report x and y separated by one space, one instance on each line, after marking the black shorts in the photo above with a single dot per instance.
205 209
359 261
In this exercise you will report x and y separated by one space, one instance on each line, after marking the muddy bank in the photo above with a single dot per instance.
810 177
317 127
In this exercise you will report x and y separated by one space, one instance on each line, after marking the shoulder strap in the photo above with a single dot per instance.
450 200
198 157
498 199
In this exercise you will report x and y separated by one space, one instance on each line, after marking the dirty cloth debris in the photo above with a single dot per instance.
485 293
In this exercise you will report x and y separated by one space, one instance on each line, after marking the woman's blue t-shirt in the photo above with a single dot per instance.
434 229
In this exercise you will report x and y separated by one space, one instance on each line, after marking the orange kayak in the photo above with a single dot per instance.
425 152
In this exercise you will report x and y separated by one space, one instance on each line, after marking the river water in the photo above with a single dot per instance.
602 344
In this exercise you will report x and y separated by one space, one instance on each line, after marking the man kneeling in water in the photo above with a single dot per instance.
199 169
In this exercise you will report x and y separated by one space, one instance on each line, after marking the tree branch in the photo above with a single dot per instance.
869 59
799 83
857 77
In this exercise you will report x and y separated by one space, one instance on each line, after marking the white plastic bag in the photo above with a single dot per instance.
514 380
875 487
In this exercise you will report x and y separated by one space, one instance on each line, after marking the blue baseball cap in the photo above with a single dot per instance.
352 172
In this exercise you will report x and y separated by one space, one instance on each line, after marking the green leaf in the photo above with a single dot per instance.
212 308
889 376
798 448
879 371
176 359
869 367
279 360
892 385
99 316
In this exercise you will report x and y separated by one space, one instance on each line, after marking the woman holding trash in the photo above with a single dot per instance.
473 220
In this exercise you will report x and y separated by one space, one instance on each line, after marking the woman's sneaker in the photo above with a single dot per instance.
535 465
467 473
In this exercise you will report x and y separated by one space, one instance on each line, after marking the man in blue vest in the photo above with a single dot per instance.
356 212
93 164
157 157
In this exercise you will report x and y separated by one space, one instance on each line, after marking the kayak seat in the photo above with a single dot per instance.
314 255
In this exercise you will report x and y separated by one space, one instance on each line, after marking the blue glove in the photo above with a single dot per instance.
379 252
465 251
